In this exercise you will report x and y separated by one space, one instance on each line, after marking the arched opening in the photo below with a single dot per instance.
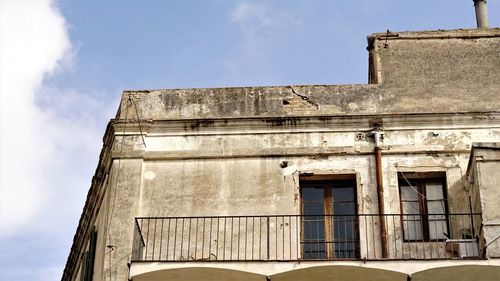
199 274
459 273
339 273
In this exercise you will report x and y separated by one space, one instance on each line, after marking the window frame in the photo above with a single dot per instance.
327 183
419 180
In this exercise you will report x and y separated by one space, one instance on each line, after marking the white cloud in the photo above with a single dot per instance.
257 15
258 24
256 20
46 134
33 40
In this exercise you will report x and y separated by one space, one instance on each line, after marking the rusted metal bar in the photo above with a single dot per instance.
380 192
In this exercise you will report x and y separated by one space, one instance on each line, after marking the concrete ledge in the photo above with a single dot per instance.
274 268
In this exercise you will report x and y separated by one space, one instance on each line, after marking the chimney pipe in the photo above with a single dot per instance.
481 13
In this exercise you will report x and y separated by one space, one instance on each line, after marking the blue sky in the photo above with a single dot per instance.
64 65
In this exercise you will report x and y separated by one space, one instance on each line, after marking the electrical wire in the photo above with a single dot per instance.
412 186
112 203
138 119
454 166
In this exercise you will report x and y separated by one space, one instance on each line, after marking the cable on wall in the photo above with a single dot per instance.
138 119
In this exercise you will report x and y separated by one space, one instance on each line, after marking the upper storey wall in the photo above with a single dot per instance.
253 101
416 72
436 71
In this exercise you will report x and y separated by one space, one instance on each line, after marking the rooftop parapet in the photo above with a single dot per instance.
410 72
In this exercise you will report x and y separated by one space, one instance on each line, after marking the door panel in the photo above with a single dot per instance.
330 225
313 206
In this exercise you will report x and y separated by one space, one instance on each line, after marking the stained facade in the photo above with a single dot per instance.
391 179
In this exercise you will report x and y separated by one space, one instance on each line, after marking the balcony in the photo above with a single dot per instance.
307 237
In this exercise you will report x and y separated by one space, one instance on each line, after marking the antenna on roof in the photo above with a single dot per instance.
385 42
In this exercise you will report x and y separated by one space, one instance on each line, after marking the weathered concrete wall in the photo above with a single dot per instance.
489 186
435 75
124 182
252 101
484 177
215 187
222 169
233 167
189 152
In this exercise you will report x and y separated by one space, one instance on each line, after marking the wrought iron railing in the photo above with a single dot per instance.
306 237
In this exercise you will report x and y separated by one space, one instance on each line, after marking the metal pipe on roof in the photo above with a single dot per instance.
481 13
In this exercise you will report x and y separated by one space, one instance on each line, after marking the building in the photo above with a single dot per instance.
392 180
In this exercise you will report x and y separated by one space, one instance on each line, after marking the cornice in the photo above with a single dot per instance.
303 124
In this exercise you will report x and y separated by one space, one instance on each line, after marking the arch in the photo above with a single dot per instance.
339 273
199 274
459 273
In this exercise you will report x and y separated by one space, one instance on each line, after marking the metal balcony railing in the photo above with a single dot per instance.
306 237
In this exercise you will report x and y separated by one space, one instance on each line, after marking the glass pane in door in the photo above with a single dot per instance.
313 203
345 235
